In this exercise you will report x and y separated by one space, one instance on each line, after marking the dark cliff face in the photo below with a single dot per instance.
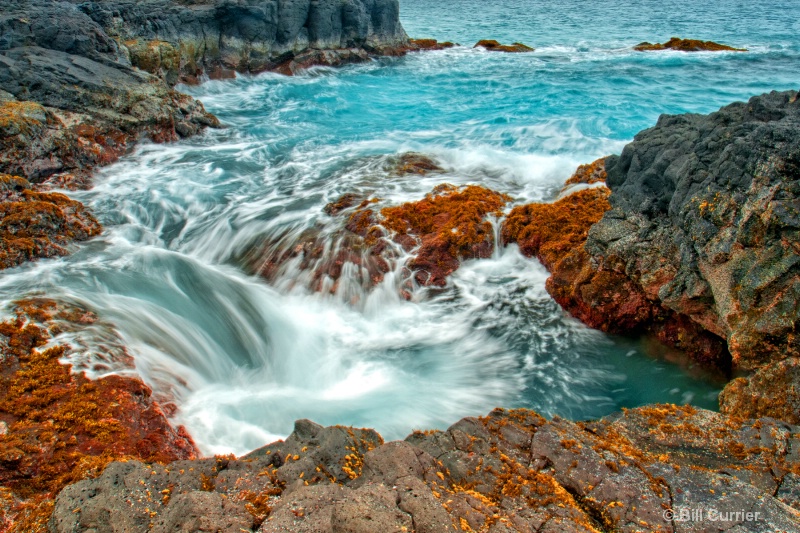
705 218
247 36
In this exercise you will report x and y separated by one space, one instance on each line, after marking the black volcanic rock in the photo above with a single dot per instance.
215 36
705 219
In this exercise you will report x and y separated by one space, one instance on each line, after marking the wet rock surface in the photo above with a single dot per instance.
35 223
687 45
424 241
512 471
60 427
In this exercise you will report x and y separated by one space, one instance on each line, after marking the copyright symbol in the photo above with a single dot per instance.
669 515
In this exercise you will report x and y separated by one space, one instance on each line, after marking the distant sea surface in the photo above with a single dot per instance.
242 358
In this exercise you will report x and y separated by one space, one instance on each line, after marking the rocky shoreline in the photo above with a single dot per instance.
691 234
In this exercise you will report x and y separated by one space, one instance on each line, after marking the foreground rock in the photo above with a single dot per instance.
687 45
510 471
494 46
58 427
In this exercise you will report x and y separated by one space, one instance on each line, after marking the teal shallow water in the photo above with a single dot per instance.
243 359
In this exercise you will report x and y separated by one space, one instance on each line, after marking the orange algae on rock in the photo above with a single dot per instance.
555 234
594 172
38 224
61 427
599 295
449 225
551 231
687 45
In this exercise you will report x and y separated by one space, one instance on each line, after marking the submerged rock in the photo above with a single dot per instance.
687 45
509 471
61 427
36 224
414 163
494 46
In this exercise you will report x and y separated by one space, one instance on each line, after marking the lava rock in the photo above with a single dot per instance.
705 219
219 36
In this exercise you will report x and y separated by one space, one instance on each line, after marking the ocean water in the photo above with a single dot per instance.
241 358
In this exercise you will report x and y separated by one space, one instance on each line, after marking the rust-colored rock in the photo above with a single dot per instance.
773 390
494 46
551 231
601 297
415 45
449 225
62 427
687 45
35 224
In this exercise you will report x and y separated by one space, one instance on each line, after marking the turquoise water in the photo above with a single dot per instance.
243 358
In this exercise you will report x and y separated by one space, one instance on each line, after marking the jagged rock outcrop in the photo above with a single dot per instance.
705 220
701 243
70 99
511 471
102 71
